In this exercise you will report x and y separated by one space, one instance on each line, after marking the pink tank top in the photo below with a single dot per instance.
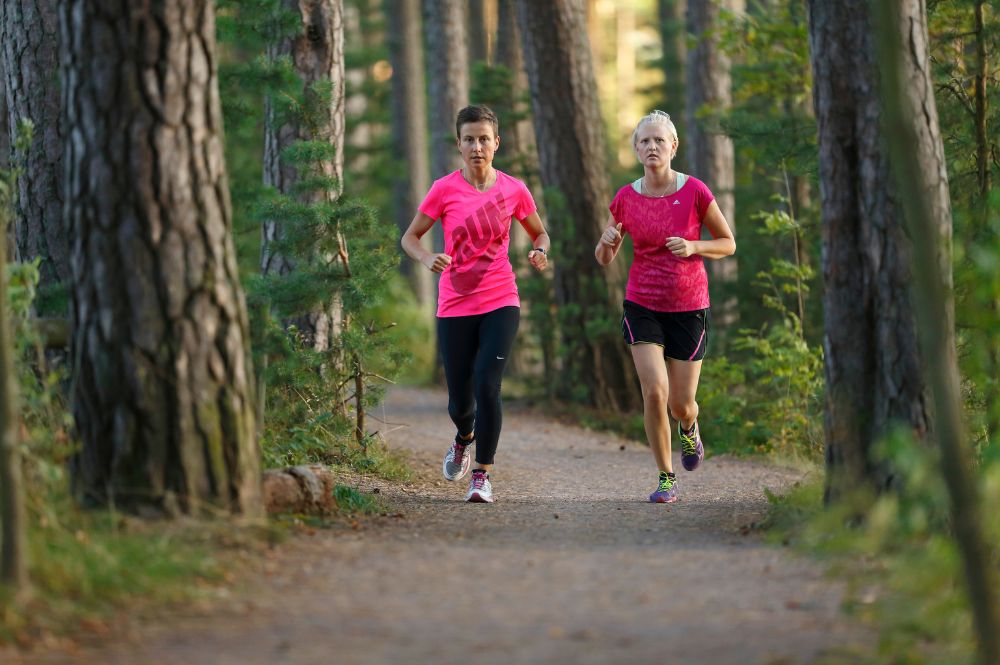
658 280
476 227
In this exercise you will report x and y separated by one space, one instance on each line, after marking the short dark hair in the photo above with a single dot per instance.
476 113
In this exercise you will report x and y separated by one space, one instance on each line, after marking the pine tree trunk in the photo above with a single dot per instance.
981 107
448 79
710 154
13 540
922 174
672 37
29 48
409 124
479 36
872 359
163 382
571 152
317 53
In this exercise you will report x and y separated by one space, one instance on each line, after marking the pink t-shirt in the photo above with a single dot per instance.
476 226
658 280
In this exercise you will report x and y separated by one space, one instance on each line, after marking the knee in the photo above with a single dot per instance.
655 395
487 392
684 411
460 412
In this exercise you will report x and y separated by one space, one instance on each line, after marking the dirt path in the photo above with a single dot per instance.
571 565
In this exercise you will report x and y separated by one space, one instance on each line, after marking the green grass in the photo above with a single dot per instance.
92 564
900 566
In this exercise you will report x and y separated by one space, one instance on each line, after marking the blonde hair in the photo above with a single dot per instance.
654 118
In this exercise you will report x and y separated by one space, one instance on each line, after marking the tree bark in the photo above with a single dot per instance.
448 79
872 360
921 171
317 53
479 35
710 153
983 170
409 124
29 48
13 539
674 61
571 152
162 377
4 128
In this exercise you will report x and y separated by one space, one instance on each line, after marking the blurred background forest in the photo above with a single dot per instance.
334 127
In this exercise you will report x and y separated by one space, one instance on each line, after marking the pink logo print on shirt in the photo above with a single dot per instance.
476 245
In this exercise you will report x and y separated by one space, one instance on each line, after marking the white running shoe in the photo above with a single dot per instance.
480 489
457 461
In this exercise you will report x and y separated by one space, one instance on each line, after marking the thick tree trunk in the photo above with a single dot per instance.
162 377
317 53
673 37
571 152
448 79
921 171
409 124
710 154
29 48
873 370
13 540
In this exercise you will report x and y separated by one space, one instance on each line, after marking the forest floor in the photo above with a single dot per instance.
570 565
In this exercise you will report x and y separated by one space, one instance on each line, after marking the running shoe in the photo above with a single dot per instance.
480 490
666 491
458 459
692 450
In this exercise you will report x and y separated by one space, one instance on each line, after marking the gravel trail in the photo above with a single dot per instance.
571 565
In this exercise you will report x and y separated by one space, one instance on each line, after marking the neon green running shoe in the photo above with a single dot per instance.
666 491
692 449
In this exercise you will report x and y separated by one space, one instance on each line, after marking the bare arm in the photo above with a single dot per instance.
420 225
539 240
610 242
721 245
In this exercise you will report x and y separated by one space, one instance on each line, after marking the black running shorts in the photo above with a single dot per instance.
682 335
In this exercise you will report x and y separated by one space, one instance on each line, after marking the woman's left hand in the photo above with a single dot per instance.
680 247
538 259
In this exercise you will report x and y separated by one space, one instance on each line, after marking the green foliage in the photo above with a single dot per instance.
901 565
774 132
494 86
766 394
341 256
351 500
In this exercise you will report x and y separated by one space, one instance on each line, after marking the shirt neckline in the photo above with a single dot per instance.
682 179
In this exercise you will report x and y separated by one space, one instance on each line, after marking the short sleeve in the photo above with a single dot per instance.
617 206
433 203
703 198
525 204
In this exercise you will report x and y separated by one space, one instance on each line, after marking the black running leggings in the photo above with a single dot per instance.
475 350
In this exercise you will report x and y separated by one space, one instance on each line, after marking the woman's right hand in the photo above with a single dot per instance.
436 262
612 235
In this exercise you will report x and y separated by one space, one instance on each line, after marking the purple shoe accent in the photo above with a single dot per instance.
692 449
665 493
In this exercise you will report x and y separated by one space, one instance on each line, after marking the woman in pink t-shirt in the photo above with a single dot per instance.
666 302
478 307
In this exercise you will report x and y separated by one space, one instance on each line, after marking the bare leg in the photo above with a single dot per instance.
652 371
683 377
